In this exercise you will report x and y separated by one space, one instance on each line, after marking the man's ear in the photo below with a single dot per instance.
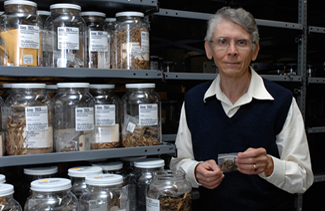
208 51
255 53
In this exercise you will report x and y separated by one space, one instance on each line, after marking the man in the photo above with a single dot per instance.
240 112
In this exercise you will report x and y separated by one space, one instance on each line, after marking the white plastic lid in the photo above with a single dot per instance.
93 13
137 14
41 170
130 159
51 87
43 12
6 189
73 85
24 2
149 163
65 6
104 179
110 19
140 86
2 178
29 86
50 184
110 166
102 86
83 171
7 86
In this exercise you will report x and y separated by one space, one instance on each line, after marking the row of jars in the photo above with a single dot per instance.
71 38
147 187
80 117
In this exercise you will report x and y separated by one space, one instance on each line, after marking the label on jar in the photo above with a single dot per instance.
38 139
98 41
98 205
145 42
131 126
36 118
84 141
84 118
107 134
105 115
134 50
152 204
148 114
28 36
27 59
68 38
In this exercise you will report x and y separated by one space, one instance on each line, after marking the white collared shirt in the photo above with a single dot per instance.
292 172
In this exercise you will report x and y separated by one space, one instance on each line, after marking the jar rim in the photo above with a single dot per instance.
73 85
30 86
41 170
140 86
2 178
6 85
65 6
101 86
149 163
109 166
50 184
6 189
43 12
110 19
51 87
93 13
136 14
23 2
83 171
104 179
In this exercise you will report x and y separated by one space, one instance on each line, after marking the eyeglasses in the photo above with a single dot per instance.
223 43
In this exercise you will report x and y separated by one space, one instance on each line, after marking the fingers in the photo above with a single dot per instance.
209 174
252 161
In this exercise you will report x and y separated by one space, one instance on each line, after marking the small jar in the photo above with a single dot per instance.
169 190
131 42
2 178
21 34
154 63
74 117
51 90
7 201
141 178
65 36
141 115
107 117
98 52
78 175
29 127
105 192
111 167
53 194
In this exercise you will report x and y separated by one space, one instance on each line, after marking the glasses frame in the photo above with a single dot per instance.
229 41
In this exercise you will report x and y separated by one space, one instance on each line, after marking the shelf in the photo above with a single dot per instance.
168 137
312 80
57 157
316 130
316 29
319 178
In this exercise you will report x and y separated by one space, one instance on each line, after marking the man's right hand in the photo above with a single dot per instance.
208 174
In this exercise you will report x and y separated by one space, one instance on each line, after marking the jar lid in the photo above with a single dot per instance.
83 171
140 86
102 86
149 163
30 86
41 170
50 184
110 166
51 87
110 19
73 85
2 178
93 13
104 179
24 2
128 159
43 12
65 6
7 86
6 189
136 14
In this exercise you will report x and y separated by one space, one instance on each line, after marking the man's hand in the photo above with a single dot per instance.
209 174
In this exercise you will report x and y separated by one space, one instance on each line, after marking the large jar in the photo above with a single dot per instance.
107 117
140 180
141 116
74 117
21 34
7 201
98 52
131 42
78 175
52 194
65 37
105 192
169 190
29 126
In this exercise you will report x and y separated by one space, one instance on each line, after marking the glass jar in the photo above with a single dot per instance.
43 15
21 34
65 37
106 192
115 167
29 126
7 201
154 63
78 175
131 42
51 90
141 115
107 118
98 53
74 117
52 194
5 91
140 180
2 178
128 163
110 32
169 190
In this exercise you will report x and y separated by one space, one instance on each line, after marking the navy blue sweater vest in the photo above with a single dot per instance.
254 125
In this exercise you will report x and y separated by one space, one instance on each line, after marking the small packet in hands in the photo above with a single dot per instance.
227 162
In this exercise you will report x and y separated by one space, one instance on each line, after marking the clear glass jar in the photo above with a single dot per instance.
5 91
107 117
78 175
21 34
7 201
74 117
52 194
43 15
98 53
154 63
2 178
141 115
140 180
29 127
114 167
106 192
65 37
131 42
51 90
128 163
169 190
110 32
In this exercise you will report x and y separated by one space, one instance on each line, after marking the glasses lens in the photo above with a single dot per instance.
223 43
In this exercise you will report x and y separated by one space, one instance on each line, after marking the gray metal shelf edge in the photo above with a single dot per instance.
315 80
316 29
57 157
320 129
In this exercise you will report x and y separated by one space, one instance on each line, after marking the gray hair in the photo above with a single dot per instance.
238 16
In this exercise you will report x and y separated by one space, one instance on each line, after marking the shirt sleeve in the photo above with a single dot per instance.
292 172
185 157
